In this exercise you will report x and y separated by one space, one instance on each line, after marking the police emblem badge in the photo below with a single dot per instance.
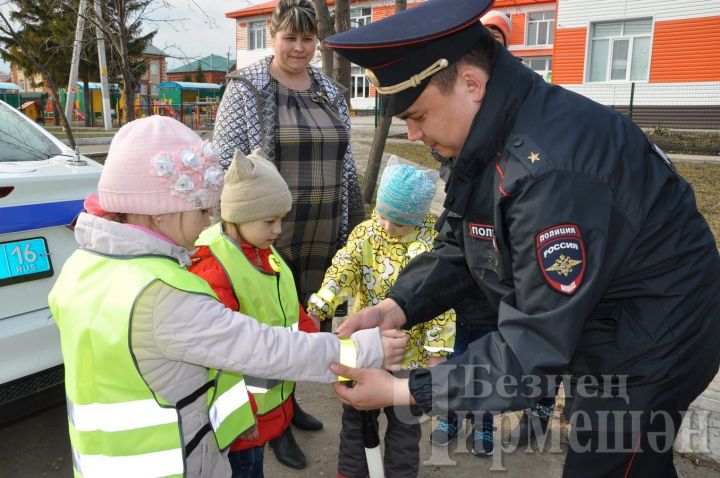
561 257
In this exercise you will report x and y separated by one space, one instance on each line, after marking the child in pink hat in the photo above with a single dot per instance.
147 346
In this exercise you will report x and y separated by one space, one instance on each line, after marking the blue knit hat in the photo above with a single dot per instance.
405 192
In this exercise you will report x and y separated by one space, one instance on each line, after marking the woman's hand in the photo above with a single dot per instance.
394 345
386 315
373 388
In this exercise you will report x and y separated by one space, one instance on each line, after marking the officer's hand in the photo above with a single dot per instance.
373 389
394 345
386 315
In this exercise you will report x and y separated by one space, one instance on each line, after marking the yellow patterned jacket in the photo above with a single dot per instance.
367 267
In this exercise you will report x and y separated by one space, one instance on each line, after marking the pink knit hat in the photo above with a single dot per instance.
157 165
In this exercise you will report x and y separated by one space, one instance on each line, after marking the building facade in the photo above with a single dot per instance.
662 54
532 38
156 71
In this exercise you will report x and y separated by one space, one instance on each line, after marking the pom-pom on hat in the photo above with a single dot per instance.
254 189
403 51
157 165
499 20
405 192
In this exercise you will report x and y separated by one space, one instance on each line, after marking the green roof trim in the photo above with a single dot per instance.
209 63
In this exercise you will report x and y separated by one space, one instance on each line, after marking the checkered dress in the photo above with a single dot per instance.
310 142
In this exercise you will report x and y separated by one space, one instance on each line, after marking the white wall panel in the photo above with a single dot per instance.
578 13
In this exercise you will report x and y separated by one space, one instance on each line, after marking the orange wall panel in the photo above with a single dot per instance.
569 55
518 29
518 3
380 12
686 50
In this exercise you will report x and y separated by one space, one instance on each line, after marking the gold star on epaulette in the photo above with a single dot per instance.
534 157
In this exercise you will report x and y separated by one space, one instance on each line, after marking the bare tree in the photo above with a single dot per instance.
341 66
379 140
325 29
121 23
30 55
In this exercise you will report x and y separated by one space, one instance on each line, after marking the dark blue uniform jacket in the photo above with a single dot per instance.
590 246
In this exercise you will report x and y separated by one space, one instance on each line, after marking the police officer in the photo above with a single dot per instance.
570 222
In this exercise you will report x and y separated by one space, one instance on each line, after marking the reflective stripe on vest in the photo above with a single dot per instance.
117 425
270 298
114 417
149 465
226 403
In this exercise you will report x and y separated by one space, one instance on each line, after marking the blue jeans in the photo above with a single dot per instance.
464 336
247 463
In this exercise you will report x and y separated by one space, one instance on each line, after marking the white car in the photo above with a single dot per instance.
42 187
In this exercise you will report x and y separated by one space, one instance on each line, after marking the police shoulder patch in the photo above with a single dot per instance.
561 257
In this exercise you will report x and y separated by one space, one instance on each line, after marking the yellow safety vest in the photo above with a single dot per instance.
270 298
118 425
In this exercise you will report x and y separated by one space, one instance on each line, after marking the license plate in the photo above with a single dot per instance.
26 260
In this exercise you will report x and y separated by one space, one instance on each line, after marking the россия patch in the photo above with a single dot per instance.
561 257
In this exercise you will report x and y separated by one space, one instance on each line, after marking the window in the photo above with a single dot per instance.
540 28
360 16
542 65
359 83
620 51
154 68
256 35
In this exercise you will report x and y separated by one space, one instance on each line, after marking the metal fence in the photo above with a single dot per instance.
677 106
194 115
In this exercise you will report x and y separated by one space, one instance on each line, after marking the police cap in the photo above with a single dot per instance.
403 51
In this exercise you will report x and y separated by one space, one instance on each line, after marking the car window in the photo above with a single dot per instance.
20 141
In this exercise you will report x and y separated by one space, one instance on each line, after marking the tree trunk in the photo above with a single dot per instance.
87 99
127 77
378 146
325 29
376 152
58 109
341 66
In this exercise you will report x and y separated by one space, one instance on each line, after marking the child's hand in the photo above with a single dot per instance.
432 361
394 344
315 320
250 435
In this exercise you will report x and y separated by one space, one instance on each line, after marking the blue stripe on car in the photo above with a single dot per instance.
38 216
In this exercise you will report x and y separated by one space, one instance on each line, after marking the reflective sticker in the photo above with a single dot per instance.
561 257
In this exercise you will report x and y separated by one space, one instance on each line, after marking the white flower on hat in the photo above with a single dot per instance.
200 198
214 176
208 150
190 159
163 165
184 184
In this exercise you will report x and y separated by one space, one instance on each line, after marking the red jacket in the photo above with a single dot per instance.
272 424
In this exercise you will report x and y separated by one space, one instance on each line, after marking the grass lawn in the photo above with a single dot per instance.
704 178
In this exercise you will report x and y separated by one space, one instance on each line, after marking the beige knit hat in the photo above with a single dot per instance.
253 190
